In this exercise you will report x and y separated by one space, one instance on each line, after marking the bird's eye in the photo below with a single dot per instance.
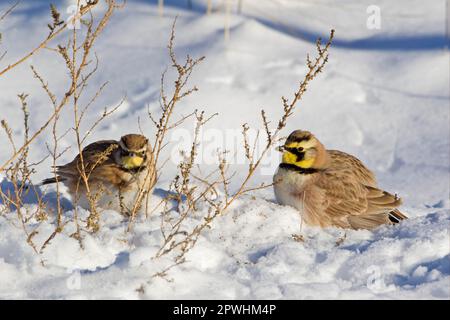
300 149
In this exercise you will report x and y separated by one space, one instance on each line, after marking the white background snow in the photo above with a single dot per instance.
384 97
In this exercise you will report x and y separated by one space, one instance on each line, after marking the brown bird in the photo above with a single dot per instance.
330 187
116 171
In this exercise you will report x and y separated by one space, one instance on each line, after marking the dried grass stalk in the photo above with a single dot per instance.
178 237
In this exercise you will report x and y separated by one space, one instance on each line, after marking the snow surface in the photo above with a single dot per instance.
384 97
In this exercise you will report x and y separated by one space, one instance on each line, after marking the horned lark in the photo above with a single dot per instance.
116 170
330 187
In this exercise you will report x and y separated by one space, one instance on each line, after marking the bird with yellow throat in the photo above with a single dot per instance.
116 171
331 187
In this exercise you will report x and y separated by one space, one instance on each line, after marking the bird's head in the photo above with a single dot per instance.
303 150
133 151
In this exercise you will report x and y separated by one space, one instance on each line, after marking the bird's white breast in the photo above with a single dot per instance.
289 186
113 198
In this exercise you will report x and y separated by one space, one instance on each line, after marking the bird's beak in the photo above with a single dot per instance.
131 162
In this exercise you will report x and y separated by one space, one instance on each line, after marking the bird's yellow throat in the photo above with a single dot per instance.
132 162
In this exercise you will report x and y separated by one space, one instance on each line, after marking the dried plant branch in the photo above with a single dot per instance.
164 123
76 68
168 105
18 175
17 168
87 45
186 196
54 154
55 29
8 132
314 69
2 17
8 11
181 188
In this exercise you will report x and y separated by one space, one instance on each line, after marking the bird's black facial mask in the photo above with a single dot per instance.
298 152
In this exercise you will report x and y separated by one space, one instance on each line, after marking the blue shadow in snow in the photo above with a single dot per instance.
442 265
407 42
32 194
121 262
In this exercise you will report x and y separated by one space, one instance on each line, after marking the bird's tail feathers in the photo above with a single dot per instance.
395 216
52 180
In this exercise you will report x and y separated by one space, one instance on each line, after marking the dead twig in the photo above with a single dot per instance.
186 196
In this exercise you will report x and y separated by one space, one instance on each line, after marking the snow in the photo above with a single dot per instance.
384 97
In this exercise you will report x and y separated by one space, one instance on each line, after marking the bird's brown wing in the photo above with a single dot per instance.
381 209
97 157
342 161
352 204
